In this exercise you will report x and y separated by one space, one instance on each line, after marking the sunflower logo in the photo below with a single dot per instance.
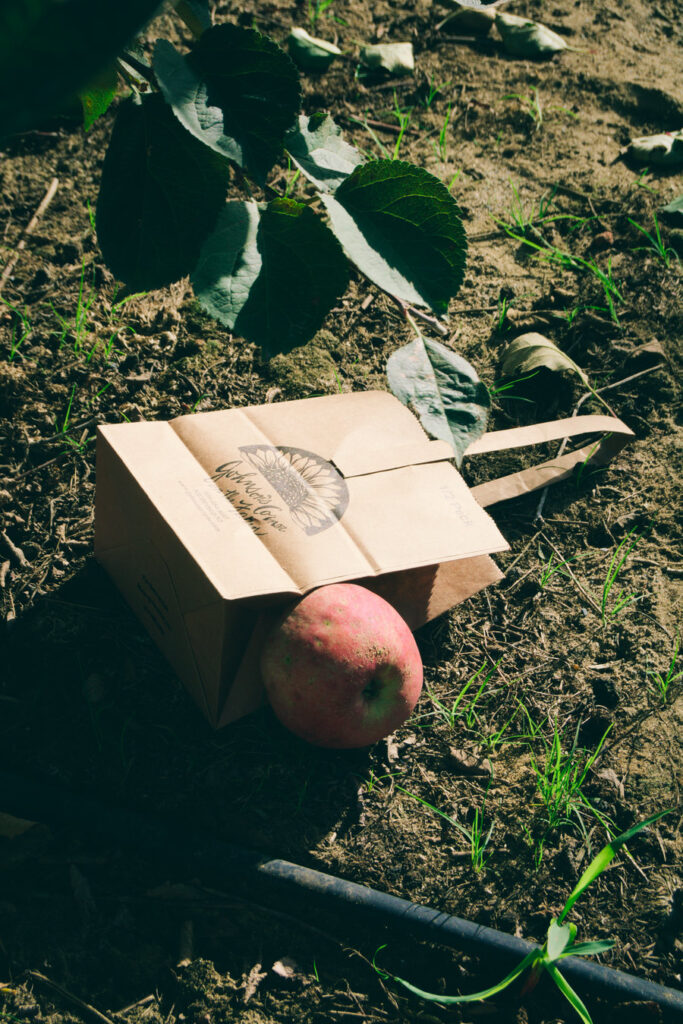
313 490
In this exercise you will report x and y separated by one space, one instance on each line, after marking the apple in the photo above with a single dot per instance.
341 668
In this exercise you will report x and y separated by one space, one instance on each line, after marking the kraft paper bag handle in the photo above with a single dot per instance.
615 435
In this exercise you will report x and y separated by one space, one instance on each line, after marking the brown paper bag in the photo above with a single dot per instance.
210 522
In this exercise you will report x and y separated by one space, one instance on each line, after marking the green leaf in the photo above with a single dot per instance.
559 937
663 150
443 389
588 948
160 194
394 58
569 993
524 38
606 855
434 997
317 147
51 49
675 208
402 228
532 352
271 277
98 96
309 53
236 90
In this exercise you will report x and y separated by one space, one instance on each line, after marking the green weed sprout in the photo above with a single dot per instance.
560 941
559 780
663 682
476 835
615 566
25 329
664 252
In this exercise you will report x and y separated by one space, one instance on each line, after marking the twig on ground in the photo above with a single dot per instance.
584 398
565 564
86 1007
21 244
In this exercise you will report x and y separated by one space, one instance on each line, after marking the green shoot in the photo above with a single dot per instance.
78 326
553 566
664 252
434 91
453 180
531 103
615 566
641 183
403 118
291 182
316 9
464 711
498 389
442 150
475 835
551 253
663 682
22 328
560 776
560 941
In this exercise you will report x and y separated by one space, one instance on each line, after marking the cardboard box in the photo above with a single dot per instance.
209 523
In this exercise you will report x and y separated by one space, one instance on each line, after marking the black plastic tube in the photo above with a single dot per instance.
239 869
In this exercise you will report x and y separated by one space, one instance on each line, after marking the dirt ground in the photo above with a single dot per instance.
87 702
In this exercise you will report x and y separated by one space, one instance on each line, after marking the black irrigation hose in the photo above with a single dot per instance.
240 869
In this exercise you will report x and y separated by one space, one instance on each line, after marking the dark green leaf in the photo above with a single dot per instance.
51 49
236 90
319 150
402 228
160 195
603 858
98 96
443 389
272 278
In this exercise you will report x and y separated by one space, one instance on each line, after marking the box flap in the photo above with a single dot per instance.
274 465
255 498
352 460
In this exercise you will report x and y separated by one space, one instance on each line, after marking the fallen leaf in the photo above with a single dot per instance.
474 20
286 968
532 352
310 53
664 149
524 38
395 58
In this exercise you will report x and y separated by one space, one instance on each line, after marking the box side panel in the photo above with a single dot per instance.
154 573
419 595
219 664
247 692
